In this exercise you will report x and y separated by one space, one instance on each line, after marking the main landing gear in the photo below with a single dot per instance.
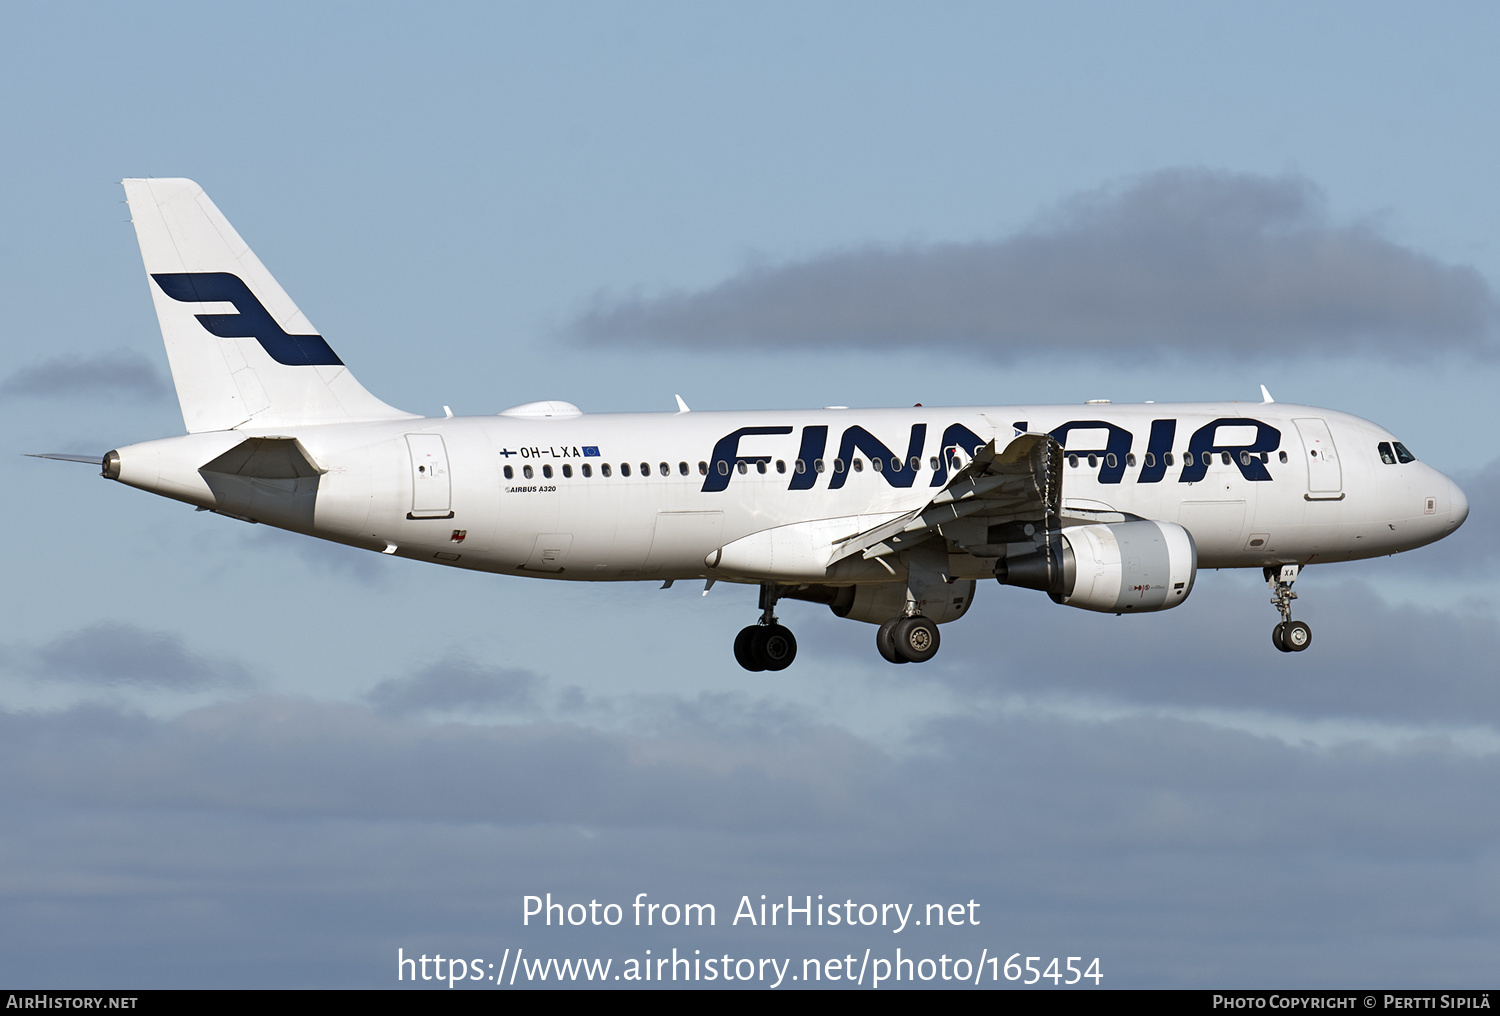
768 645
1289 636
911 639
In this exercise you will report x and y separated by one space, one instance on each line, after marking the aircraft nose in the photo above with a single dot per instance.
1458 506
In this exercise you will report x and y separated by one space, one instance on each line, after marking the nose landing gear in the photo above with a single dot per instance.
767 645
1289 636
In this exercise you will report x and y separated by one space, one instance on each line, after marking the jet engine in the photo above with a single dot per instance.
1114 567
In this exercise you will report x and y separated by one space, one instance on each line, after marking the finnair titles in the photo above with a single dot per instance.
888 516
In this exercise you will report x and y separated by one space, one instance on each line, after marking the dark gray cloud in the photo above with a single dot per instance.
1369 661
1184 260
1180 852
113 654
318 837
458 684
281 756
120 374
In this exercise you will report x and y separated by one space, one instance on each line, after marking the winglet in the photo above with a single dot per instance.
682 407
1265 395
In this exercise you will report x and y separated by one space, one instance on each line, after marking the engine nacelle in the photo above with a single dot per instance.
1114 567
878 602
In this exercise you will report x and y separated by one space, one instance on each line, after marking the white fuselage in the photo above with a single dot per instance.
1300 485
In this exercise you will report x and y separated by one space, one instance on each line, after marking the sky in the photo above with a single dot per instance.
236 757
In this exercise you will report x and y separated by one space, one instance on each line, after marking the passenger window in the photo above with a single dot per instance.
1244 458
510 474
817 465
1225 457
878 465
740 465
645 469
702 468
1130 460
682 468
1167 458
1111 461
624 469
799 467
760 467
916 463
781 465
666 470
838 465
567 471
859 465
1073 461
1282 456
1150 459
526 472
1265 457
588 470
1093 461
547 472
932 463
604 469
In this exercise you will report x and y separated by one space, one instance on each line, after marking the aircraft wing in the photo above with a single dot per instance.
1021 483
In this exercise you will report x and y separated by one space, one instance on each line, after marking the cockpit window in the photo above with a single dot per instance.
1402 455
1386 454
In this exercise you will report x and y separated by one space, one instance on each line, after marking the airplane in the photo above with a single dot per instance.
888 516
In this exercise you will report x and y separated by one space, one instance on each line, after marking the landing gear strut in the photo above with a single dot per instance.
1289 636
767 645
909 637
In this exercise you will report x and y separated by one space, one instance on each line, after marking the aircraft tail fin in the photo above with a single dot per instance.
241 352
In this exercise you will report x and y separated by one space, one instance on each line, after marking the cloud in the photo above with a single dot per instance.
1179 851
316 837
1371 662
1181 260
111 654
281 756
458 684
120 374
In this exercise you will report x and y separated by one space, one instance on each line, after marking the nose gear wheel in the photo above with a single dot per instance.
1289 636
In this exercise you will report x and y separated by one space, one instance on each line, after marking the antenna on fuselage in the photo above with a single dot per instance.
1265 395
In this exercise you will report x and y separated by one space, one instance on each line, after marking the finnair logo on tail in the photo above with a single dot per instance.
252 322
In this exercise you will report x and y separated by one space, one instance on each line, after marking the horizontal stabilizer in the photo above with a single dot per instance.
265 458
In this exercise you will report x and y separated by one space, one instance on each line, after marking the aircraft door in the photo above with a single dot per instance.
431 489
1325 477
